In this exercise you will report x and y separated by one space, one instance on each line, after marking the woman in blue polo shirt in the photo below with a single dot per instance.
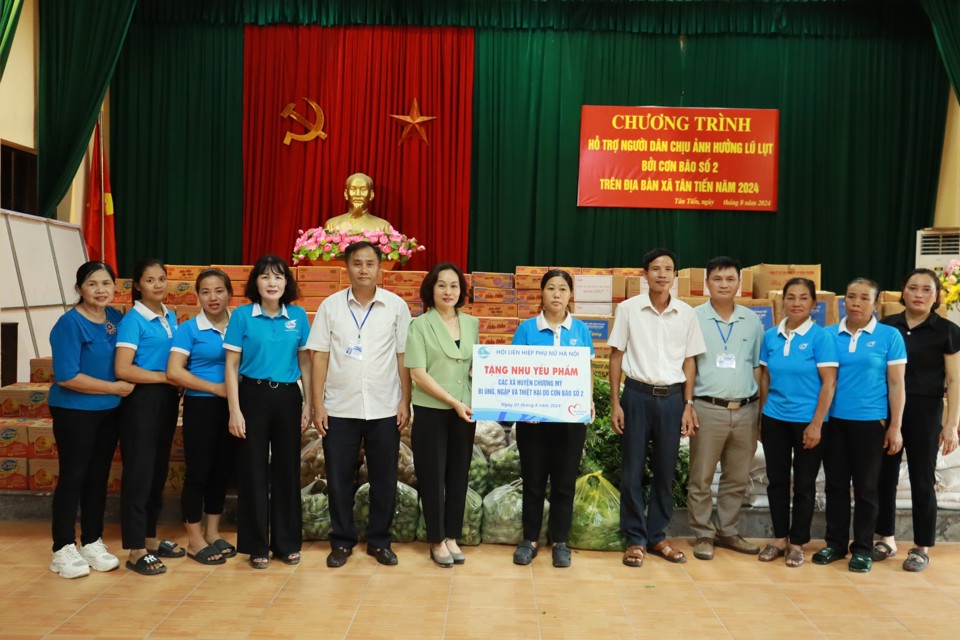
148 418
439 354
798 375
83 402
869 390
551 449
196 362
267 353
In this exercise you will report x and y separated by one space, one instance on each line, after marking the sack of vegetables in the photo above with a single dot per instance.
315 511
503 515
505 466
311 462
596 515
405 470
472 518
478 478
490 436
404 527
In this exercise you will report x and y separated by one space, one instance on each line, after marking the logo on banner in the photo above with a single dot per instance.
314 129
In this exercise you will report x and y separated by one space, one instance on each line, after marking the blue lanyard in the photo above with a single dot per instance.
720 331
359 324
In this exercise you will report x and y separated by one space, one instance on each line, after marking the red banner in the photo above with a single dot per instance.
678 158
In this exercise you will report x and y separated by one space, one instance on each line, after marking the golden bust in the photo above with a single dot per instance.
358 193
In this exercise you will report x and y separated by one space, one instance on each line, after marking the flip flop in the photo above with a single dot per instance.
205 555
226 549
290 558
142 566
882 551
770 553
168 549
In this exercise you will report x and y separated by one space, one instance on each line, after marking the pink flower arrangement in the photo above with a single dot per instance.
319 244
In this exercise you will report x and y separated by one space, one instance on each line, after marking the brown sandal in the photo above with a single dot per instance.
633 557
794 558
668 553
770 553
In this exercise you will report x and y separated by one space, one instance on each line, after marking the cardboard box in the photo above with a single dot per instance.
41 441
44 474
238 273
619 288
593 308
495 338
318 288
532 296
599 326
530 271
176 447
495 280
494 310
41 369
184 271
180 292
595 271
628 271
403 278
528 281
505 326
185 312
772 277
13 437
600 367
123 294
175 476
310 304
489 294
593 288
25 400
571 270
115 477
407 294
416 309
528 310
763 307
13 474
319 274
601 350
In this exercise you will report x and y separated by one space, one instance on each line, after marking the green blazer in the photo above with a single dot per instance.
430 347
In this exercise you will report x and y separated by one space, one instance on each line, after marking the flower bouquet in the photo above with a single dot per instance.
319 244
950 281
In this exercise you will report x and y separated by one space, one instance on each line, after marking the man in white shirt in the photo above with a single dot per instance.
654 341
361 394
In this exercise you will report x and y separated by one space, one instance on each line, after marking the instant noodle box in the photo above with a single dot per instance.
41 441
123 294
44 474
14 442
495 280
494 310
530 271
495 338
186 311
489 294
184 271
403 278
528 310
25 400
238 273
318 274
532 296
506 326
41 369
318 288
407 294
528 281
13 474
180 292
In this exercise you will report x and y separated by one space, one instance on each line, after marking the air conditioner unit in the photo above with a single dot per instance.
936 247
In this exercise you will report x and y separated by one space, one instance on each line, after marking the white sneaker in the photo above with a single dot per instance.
69 563
98 557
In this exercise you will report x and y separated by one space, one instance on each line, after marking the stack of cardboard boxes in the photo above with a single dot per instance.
28 451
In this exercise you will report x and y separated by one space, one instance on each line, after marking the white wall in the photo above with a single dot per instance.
18 88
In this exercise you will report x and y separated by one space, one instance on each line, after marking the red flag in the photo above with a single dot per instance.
99 210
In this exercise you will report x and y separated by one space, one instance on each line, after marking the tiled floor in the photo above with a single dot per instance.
733 596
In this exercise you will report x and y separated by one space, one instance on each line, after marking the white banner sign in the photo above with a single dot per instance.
513 383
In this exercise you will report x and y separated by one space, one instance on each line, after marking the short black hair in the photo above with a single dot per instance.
806 282
139 268
216 273
271 262
870 283
722 262
653 254
920 271
426 287
556 273
357 246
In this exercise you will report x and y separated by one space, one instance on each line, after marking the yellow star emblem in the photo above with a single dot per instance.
413 122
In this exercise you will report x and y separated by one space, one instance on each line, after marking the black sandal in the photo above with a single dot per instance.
205 555
168 549
916 561
259 562
226 549
882 551
144 566
291 558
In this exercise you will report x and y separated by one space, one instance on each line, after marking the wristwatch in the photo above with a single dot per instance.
690 403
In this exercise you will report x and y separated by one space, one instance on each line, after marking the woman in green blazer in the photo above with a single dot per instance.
439 355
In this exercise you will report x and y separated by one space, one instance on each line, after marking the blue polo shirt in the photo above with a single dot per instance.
81 346
862 377
268 346
793 363
202 343
570 333
725 369
149 335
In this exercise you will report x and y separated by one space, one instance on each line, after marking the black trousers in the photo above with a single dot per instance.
341 447
549 449
86 441
210 452
442 449
921 440
268 470
649 421
148 418
782 441
852 451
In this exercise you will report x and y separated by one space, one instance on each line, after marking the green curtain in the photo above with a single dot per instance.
9 15
807 17
945 18
80 42
861 130
176 139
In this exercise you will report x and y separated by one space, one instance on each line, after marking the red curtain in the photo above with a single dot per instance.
358 76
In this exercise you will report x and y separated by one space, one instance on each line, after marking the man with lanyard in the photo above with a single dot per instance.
361 394
654 340
726 411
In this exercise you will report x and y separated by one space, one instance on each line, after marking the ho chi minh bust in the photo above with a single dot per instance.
358 193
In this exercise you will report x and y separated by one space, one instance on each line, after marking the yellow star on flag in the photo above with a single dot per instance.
413 122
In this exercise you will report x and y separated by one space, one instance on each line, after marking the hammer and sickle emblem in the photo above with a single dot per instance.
314 129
